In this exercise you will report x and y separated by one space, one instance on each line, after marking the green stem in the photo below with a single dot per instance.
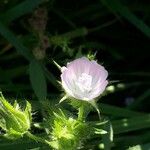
81 113
37 139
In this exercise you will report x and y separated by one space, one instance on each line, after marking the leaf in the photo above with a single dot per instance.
132 124
117 111
138 102
117 7
51 78
100 131
140 147
6 33
27 111
21 144
132 139
38 148
108 138
38 80
19 10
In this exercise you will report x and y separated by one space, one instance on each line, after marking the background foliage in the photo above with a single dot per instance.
34 33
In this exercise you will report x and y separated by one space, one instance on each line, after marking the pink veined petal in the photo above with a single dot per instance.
98 70
80 60
76 79
67 81
66 87
98 90
79 66
68 78
100 77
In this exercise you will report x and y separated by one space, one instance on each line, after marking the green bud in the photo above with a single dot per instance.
91 55
14 121
67 132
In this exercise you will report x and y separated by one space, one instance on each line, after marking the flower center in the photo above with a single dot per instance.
84 82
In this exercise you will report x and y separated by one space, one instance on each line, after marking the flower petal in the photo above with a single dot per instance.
84 79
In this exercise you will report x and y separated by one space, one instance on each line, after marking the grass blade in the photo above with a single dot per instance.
132 124
117 111
6 33
38 80
19 10
118 7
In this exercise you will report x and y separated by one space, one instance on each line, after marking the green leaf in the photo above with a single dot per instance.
138 102
27 111
38 80
117 111
38 148
132 139
52 79
117 7
19 10
140 147
21 144
6 33
132 124
108 138
14 122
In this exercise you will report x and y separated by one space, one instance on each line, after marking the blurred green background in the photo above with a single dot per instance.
33 33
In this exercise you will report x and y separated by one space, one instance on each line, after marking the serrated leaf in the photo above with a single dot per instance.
27 112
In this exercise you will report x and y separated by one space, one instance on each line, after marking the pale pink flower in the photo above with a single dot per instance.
84 79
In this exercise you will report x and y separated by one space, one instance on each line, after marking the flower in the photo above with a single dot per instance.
84 79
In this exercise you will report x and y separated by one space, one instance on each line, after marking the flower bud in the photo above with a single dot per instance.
14 121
